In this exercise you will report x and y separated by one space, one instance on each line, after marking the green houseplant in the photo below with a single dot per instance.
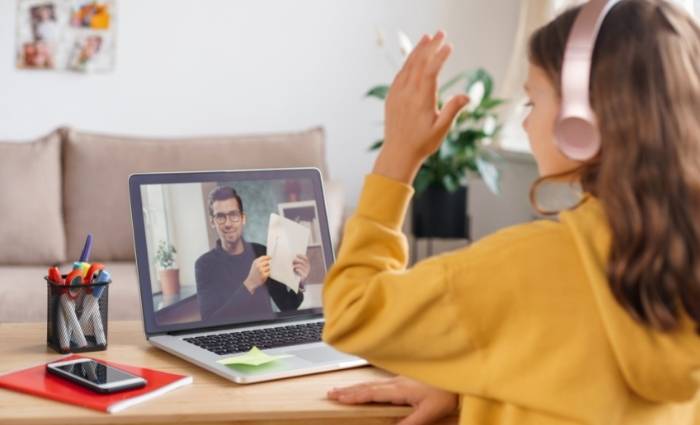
464 150
439 207
168 272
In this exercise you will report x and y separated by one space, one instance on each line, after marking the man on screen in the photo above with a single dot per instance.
233 278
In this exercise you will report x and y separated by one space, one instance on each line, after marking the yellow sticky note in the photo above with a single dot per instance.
254 357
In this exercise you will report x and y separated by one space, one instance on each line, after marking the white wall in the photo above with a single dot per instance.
188 222
188 67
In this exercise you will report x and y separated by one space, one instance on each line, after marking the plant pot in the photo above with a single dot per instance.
169 282
438 213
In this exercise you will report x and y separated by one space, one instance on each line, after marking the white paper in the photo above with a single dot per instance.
285 240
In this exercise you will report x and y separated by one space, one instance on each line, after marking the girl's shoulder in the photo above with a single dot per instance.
523 246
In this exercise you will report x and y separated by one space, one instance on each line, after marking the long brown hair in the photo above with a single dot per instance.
645 92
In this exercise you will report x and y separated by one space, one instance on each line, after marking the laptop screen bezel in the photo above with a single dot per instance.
151 327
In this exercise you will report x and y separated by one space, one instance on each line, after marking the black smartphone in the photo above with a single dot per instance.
95 375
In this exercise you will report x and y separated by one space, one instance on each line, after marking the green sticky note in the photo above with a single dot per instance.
254 357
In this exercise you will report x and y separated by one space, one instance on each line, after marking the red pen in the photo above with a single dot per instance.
92 273
55 275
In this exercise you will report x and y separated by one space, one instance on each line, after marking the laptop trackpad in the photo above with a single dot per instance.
322 355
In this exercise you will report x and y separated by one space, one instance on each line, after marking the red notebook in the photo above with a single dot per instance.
37 381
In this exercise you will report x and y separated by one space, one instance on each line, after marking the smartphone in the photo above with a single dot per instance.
95 375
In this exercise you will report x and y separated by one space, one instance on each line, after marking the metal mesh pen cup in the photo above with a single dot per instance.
76 320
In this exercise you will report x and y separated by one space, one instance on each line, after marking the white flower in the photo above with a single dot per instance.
489 125
405 44
476 94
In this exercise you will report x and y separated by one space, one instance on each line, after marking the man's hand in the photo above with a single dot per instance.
302 267
259 272
414 126
430 403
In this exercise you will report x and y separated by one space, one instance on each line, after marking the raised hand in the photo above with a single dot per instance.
414 126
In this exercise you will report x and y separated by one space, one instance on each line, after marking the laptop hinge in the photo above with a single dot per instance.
276 321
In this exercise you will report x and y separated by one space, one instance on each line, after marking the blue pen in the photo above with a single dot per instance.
102 277
86 249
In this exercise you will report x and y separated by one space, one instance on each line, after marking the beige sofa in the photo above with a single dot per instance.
56 189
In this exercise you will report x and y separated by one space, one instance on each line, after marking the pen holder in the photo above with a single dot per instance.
76 319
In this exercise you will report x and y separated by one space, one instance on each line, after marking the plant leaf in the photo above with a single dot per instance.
405 44
376 145
454 80
489 173
462 117
482 75
422 180
490 103
379 91
468 137
448 181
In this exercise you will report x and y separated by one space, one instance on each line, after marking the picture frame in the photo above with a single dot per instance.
306 214
66 35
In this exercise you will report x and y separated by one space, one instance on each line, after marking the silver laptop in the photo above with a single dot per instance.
211 287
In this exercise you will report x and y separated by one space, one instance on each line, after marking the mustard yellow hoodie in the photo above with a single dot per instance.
522 323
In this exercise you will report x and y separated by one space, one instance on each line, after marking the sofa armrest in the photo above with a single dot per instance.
335 204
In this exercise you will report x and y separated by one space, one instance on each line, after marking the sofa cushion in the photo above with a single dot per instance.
32 229
97 168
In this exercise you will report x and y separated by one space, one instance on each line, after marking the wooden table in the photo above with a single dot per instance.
209 400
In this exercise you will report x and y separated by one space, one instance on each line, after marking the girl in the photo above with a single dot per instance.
592 319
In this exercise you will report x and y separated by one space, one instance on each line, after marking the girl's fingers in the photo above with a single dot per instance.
410 65
448 113
355 387
434 67
369 392
375 394
427 57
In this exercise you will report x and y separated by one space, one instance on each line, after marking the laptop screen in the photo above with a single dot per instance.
224 248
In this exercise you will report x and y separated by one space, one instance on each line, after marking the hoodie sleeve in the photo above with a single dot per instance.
405 321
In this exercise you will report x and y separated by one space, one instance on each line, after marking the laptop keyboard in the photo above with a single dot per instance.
241 341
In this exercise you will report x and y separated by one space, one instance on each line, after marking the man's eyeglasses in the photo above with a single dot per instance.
235 216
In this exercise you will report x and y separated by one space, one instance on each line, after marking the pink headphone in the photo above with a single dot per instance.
576 132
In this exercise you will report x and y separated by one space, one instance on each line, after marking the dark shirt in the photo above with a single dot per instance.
222 295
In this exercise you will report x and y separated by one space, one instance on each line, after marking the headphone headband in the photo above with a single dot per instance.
576 132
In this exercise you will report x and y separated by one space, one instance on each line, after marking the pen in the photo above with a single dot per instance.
102 277
55 275
62 333
74 281
91 321
86 249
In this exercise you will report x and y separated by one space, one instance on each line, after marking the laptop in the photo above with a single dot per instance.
210 287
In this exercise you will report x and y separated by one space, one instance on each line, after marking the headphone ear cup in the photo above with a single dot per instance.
576 132
577 138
